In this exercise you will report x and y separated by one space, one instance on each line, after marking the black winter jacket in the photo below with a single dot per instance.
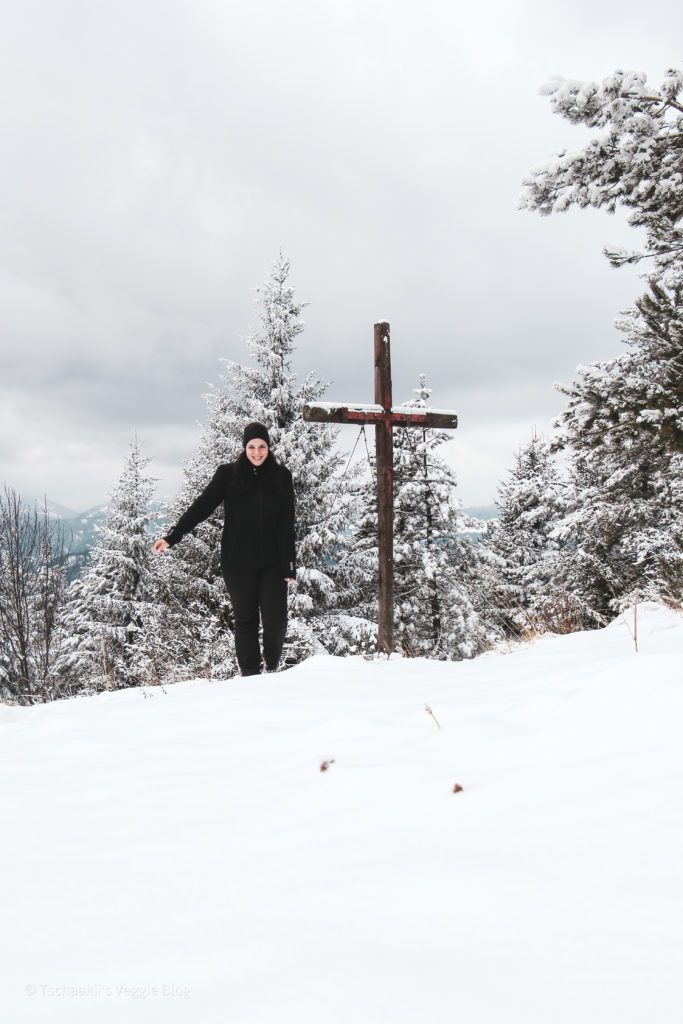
258 529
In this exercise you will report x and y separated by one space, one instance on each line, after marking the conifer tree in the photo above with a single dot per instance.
265 391
634 403
623 430
623 427
104 622
524 562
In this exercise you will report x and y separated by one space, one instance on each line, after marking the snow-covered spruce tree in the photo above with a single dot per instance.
624 429
104 622
523 563
634 403
434 614
635 161
266 391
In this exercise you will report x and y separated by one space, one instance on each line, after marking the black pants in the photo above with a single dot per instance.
251 592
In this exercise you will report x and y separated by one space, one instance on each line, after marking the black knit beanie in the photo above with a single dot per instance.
253 431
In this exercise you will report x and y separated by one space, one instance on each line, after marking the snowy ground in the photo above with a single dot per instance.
180 856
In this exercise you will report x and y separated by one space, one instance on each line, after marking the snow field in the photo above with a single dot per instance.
180 856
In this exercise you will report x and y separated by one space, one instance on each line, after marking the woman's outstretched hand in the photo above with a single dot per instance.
160 546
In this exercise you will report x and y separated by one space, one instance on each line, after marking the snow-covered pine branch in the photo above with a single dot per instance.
633 160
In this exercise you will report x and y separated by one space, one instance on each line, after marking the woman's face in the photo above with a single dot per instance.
257 451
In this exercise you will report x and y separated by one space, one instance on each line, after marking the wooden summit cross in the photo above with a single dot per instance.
385 417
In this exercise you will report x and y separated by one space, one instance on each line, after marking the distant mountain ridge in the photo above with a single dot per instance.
475 519
82 527
483 512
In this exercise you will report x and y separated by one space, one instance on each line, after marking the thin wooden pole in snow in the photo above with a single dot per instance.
384 444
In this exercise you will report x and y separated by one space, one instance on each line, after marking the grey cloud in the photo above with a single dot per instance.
153 167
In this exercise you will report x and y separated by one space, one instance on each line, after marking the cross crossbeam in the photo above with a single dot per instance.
385 417
401 416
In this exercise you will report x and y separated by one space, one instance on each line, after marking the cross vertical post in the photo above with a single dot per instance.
384 443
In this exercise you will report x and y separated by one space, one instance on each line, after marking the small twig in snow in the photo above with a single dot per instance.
430 712
324 765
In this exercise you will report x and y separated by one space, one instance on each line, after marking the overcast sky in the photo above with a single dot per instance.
156 156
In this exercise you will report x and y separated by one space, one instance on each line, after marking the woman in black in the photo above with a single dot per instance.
257 547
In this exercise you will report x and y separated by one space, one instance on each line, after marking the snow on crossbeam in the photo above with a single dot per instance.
445 417
356 406
359 412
